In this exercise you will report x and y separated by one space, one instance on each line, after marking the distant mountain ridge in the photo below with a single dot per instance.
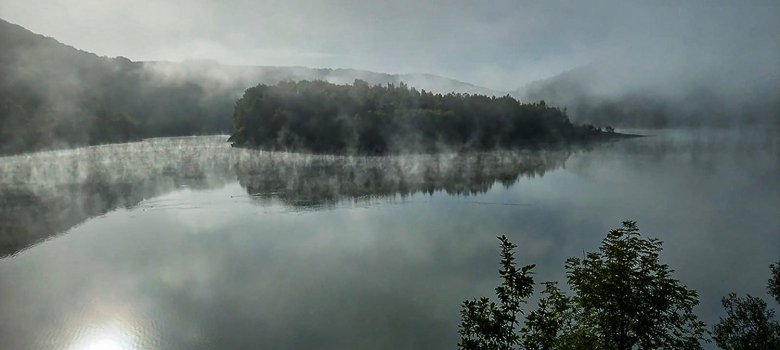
270 75
53 95
605 94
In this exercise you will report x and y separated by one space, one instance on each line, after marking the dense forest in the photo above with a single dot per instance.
55 96
320 117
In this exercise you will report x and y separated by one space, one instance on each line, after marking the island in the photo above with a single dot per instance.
358 118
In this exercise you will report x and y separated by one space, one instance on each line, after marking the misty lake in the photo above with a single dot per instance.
187 243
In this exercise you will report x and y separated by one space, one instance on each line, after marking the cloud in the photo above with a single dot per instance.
502 44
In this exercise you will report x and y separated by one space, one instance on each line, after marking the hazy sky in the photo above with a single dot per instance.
498 44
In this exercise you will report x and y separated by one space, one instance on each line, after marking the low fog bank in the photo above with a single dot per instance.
667 65
46 193
56 96
651 66
219 76
320 117
300 180
697 86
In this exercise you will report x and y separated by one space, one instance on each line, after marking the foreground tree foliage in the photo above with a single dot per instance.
554 325
624 298
317 116
487 325
749 323
774 281
628 299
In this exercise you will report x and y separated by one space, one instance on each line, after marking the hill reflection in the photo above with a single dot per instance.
299 180
43 194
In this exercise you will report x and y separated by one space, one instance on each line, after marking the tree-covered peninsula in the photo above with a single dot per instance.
320 117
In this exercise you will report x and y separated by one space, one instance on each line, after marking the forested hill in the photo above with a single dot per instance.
602 94
54 96
321 117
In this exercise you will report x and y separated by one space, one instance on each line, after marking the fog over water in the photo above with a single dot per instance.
168 68
188 243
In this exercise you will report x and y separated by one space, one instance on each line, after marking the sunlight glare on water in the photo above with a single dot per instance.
106 338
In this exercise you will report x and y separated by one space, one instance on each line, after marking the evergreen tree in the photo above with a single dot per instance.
320 117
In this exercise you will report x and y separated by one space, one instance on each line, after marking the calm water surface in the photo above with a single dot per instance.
186 243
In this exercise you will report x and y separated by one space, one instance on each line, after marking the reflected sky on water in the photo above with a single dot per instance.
188 244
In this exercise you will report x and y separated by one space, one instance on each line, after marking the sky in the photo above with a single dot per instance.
498 44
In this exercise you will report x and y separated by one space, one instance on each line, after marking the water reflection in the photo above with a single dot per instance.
110 337
299 180
46 193
190 260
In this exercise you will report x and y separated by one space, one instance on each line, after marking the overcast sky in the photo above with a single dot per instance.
498 44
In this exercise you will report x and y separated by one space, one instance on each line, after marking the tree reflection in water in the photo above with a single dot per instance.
46 193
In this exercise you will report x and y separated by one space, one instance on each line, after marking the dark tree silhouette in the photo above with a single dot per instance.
489 325
553 325
774 281
320 117
749 323
628 298
624 298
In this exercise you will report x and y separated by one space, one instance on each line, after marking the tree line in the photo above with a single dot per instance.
622 297
321 117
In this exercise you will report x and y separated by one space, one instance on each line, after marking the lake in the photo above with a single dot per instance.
187 243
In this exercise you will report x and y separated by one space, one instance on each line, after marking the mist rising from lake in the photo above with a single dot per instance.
188 243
